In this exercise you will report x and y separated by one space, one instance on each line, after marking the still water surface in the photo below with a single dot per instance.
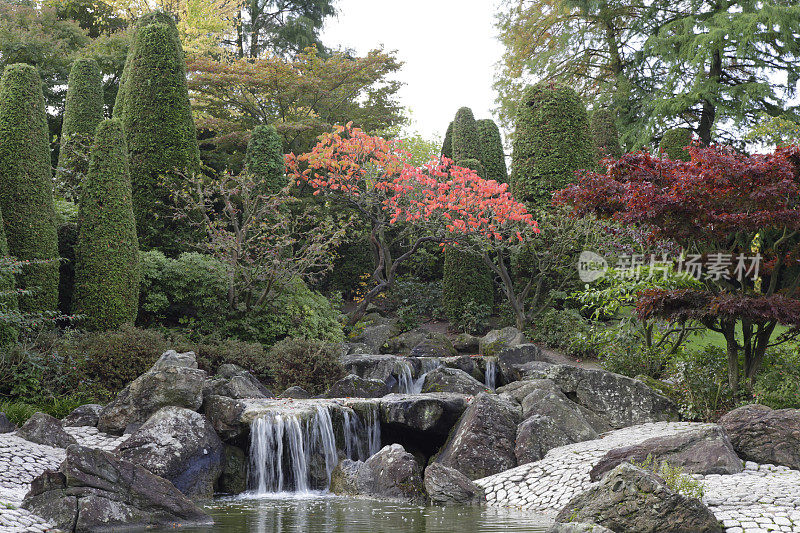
317 513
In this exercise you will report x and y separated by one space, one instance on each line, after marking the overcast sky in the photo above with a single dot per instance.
449 49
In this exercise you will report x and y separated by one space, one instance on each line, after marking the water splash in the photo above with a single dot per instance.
490 377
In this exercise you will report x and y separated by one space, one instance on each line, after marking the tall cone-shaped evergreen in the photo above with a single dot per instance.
264 158
26 186
107 270
551 142
8 295
447 145
160 132
673 143
490 150
605 136
465 136
83 111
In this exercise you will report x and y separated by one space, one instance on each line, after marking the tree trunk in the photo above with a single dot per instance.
729 331
709 112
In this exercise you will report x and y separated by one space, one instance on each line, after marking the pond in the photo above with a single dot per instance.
323 513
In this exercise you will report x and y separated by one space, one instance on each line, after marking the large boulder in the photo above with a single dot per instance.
85 415
434 413
482 443
498 339
446 485
632 499
225 415
180 445
344 478
516 362
353 386
705 450
6 426
95 491
42 428
383 367
466 343
474 366
444 379
235 382
763 435
391 473
436 345
619 400
298 393
233 479
577 527
538 435
376 335
173 381
403 344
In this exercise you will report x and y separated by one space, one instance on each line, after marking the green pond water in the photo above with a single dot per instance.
331 514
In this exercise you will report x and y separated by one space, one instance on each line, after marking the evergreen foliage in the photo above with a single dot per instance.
83 111
605 136
107 269
490 150
673 143
472 164
551 142
466 285
160 132
8 295
26 196
447 145
264 159
465 136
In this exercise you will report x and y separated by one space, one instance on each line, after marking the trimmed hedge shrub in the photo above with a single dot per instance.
26 186
67 243
8 297
312 365
83 111
551 142
490 148
472 164
264 158
107 269
465 136
605 136
160 131
447 145
673 143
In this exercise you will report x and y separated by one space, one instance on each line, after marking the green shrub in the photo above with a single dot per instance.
673 143
551 142
558 328
701 382
19 412
490 151
472 164
26 196
160 131
313 365
213 352
778 383
473 318
353 260
674 477
447 144
264 158
465 136
67 241
467 283
621 350
83 111
107 267
422 298
605 136
8 296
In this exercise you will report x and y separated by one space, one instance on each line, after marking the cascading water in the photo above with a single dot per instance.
406 384
405 378
490 377
362 438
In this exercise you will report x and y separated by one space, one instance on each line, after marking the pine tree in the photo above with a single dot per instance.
26 186
83 111
673 143
160 132
447 145
490 148
107 270
264 158
605 137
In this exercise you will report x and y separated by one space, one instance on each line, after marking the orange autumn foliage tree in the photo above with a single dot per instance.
437 202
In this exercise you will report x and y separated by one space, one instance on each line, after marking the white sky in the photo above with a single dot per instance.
449 49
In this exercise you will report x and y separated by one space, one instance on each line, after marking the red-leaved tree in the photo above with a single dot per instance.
722 205
439 202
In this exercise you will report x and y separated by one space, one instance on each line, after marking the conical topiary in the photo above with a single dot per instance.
26 186
605 136
447 145
673 143
8 295
83 111
264 158
465 136
107 270
490 148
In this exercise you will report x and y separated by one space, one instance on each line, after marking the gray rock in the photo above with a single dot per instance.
577 527
578 421
464 342
298 393
235 382
353 386
225 415
377 335
179 445
536 436
763 435
474 366
434 413
391 473
171 382
382 367
517 391
173 359
482 443
403 344
96 491
446 485
514 361
498 339
633 499
619 400
85 415
444 379
344 478
6 426
233 479
42 428
701 451
436 345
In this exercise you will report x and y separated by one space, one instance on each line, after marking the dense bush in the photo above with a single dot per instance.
490 151
67 241
423 298
559 328
213 352
313 365
83 111
107 267
264 158
701 382
778 384
160 132
551 142
26 195
620 349
465 136
353 259
673 143
8 295
605 136
447 144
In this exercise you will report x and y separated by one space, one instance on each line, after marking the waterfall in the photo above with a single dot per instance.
490 379
428 364
405 378
362 438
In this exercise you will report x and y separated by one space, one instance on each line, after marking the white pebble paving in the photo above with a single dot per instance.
761 498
